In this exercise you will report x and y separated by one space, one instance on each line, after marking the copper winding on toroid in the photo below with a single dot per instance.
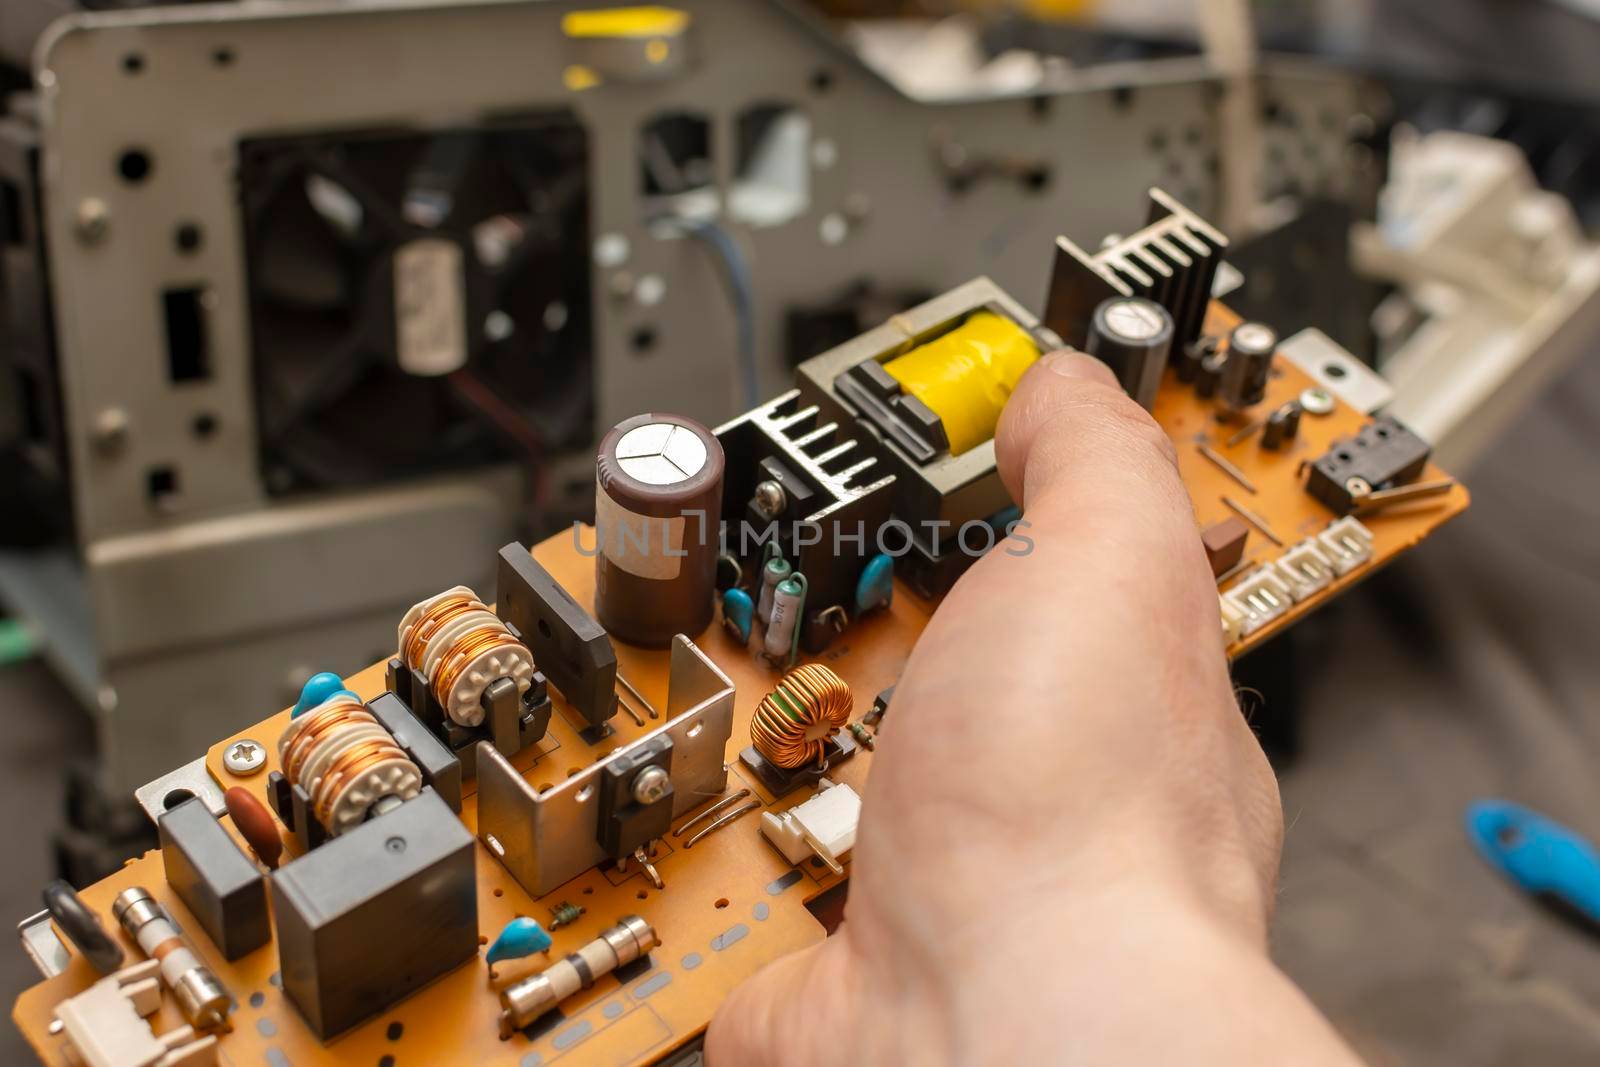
460 646
793 722
347 762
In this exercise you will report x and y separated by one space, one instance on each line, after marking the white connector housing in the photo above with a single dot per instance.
1346 543
1305 569
1232 621
825 825
1261 597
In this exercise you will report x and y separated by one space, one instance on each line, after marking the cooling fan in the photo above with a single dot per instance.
419 300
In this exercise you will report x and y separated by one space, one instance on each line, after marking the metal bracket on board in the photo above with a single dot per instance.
1336 370
545 838
174 787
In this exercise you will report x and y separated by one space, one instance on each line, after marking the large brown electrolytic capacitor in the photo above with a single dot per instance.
658 506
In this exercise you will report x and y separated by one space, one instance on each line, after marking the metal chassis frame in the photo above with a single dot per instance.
158 624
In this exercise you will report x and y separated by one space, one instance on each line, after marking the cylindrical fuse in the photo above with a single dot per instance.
774 571
201 996
658 509
617 946
788 600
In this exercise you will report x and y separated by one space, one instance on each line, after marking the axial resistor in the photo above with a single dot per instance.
564 914
773 573
788 602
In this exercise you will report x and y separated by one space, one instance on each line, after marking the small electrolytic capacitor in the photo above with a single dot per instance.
773 571
1193 354
1282 426
1249 363
1132 336
788 603
658 508
1209 374
201 996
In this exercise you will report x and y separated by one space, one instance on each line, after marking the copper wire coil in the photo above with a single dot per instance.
466 648
315 725
349 765
791 725
437 615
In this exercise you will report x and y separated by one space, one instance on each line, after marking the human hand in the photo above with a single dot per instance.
1069 842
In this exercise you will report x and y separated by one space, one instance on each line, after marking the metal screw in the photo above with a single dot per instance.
650 785
1357 486
246 756
770 499
94 220
110 429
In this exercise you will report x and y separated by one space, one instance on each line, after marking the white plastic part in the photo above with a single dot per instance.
102 1025
1305 569
1262 597
1232 621
825 826
505 661
1346 543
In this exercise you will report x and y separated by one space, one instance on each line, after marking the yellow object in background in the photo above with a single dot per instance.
625 22
966 376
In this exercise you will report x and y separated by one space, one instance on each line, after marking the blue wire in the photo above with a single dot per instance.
741 291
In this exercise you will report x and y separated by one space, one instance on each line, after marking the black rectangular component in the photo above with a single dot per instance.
626 822
440 768
571 648
781 781
215 880
376 914
1383 455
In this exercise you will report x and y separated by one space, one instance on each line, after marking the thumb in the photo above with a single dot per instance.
772 1018
1069 421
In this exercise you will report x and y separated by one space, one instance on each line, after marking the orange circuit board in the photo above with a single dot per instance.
732 903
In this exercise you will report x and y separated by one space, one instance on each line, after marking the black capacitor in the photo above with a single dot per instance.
1193 353
658 509
1244 374
1209 374
1132 336
1282 426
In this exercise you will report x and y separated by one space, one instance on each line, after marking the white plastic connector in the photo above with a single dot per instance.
825 826
102 1027
1232 621
1305 569
1346 543
1262 596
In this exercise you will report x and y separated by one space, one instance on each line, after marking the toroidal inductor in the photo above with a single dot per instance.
349 765
792 724
460 647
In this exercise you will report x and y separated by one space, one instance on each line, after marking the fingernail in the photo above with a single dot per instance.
1073 364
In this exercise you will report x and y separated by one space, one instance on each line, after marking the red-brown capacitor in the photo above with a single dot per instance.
255 824
658 506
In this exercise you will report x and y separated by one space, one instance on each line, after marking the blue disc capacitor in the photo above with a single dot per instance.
318 690
738 612
521 937
875 587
